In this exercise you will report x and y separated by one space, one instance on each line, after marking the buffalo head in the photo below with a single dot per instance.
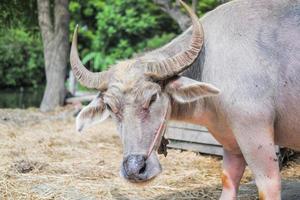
137 94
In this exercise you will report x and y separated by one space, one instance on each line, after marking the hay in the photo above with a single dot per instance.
42 157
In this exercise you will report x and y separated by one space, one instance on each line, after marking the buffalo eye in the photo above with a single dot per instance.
150 101
116 112
153 99
108 107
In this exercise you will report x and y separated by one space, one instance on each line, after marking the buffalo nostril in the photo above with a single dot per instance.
143 169
134 166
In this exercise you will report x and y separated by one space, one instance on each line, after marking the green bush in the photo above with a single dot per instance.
21 58
114 30
205 6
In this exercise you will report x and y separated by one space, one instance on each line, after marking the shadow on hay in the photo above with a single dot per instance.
290 191
195 194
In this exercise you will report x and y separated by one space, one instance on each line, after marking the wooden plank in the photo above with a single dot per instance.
191 136
203 129
182 125
202 148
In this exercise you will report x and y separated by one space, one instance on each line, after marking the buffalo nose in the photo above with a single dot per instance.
134 167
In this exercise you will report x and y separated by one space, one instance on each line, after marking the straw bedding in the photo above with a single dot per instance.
42 157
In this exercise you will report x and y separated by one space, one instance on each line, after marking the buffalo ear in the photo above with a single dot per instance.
94 112
185 90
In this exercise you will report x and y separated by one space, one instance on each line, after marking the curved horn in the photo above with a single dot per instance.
174 65
97 80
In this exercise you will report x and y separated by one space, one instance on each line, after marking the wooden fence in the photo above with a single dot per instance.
192 137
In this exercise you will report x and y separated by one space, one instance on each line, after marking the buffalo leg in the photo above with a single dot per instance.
233 169
256 142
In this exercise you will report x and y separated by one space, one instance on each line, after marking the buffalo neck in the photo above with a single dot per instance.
195 112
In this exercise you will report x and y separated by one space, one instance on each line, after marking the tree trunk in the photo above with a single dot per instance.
174 12
55 34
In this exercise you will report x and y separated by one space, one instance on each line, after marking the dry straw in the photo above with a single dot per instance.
42 157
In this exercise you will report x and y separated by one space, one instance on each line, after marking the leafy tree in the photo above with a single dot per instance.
19 13
21 58
114 30
21 55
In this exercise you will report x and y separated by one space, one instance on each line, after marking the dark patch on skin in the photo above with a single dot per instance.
259 147
273 159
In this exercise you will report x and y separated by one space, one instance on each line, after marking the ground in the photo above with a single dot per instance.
43 157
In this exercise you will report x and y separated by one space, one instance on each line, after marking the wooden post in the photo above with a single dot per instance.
72 83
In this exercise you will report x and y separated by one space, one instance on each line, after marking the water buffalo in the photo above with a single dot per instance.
236 72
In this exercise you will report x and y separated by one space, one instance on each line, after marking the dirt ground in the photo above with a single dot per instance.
42 157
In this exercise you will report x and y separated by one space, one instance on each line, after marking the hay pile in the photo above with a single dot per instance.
42 157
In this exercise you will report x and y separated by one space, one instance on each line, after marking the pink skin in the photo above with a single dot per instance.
258 151
267 175
254 144
233 169
257 145
247 136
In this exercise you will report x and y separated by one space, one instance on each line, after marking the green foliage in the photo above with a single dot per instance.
110 30
21 58
15 13
114 30
207 5
156 41
21 54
